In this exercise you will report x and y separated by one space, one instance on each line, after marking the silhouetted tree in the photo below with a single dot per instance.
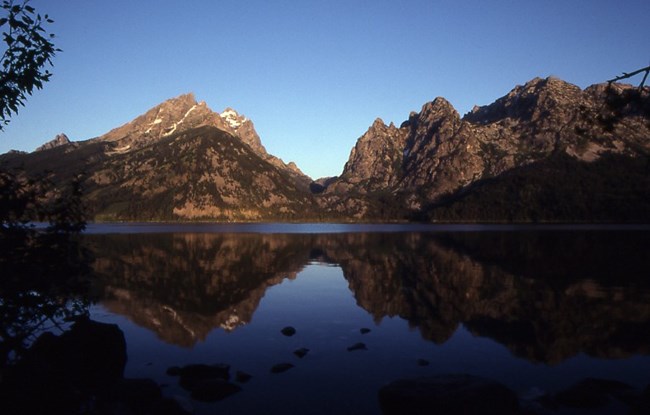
29 50
43 273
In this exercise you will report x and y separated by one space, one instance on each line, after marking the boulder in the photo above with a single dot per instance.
242 377
357 346
288 331
300 353
281 367
446 395
90 354
212 390
192 375
594 393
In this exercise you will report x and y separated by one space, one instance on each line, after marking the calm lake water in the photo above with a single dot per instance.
534 307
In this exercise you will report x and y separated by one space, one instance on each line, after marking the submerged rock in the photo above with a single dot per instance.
423 362
212 390
242 377
302 352
364 330
447 395
281 367
357 346
192 375
594 393
288 331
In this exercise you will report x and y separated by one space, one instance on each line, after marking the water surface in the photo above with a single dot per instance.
532 307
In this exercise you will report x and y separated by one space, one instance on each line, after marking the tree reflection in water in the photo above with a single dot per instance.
44 286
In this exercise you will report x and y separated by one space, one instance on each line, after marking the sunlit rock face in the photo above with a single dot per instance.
182 161
59 140
546 296
178 161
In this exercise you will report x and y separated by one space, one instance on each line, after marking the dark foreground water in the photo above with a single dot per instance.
536 308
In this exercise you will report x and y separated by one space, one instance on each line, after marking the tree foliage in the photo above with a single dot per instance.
28 52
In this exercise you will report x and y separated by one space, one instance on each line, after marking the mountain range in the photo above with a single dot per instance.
546 151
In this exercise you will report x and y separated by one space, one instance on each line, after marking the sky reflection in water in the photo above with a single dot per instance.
535 308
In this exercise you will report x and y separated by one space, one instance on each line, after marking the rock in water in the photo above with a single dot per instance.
192 375
302 352
592 393
447 395
281 367
288 331
212 390
357 346
242 377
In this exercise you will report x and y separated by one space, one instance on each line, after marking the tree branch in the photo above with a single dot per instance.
631 74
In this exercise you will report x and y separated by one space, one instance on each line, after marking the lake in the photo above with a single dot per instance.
537 308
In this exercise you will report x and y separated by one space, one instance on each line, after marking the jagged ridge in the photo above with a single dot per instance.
179 161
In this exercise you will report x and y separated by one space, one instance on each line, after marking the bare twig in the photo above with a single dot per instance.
631 74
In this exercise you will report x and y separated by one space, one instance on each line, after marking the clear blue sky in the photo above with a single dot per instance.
313 75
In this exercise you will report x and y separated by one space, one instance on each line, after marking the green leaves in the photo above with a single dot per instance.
29 49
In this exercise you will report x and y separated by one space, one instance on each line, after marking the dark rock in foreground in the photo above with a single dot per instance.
212 390
242 377
594 393
81 369
90 353
191 375
446 395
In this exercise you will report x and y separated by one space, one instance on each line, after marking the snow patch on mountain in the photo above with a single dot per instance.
171 129
232 118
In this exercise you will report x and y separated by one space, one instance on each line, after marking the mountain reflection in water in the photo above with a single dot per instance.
545 295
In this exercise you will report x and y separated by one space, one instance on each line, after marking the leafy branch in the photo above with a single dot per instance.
29 49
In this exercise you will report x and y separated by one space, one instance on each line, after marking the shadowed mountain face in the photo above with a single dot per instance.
546 295
551 135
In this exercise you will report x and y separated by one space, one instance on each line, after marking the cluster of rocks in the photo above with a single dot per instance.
452 394
208 383
80 371
212 383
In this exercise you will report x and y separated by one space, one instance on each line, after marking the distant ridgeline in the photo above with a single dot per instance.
547 151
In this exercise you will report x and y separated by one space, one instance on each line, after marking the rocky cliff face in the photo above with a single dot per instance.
200 174
177 162
59 140
436 153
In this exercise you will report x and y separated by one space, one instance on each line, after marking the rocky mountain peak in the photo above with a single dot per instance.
242 127
375 161
529 102
437 119
59 140
173 116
